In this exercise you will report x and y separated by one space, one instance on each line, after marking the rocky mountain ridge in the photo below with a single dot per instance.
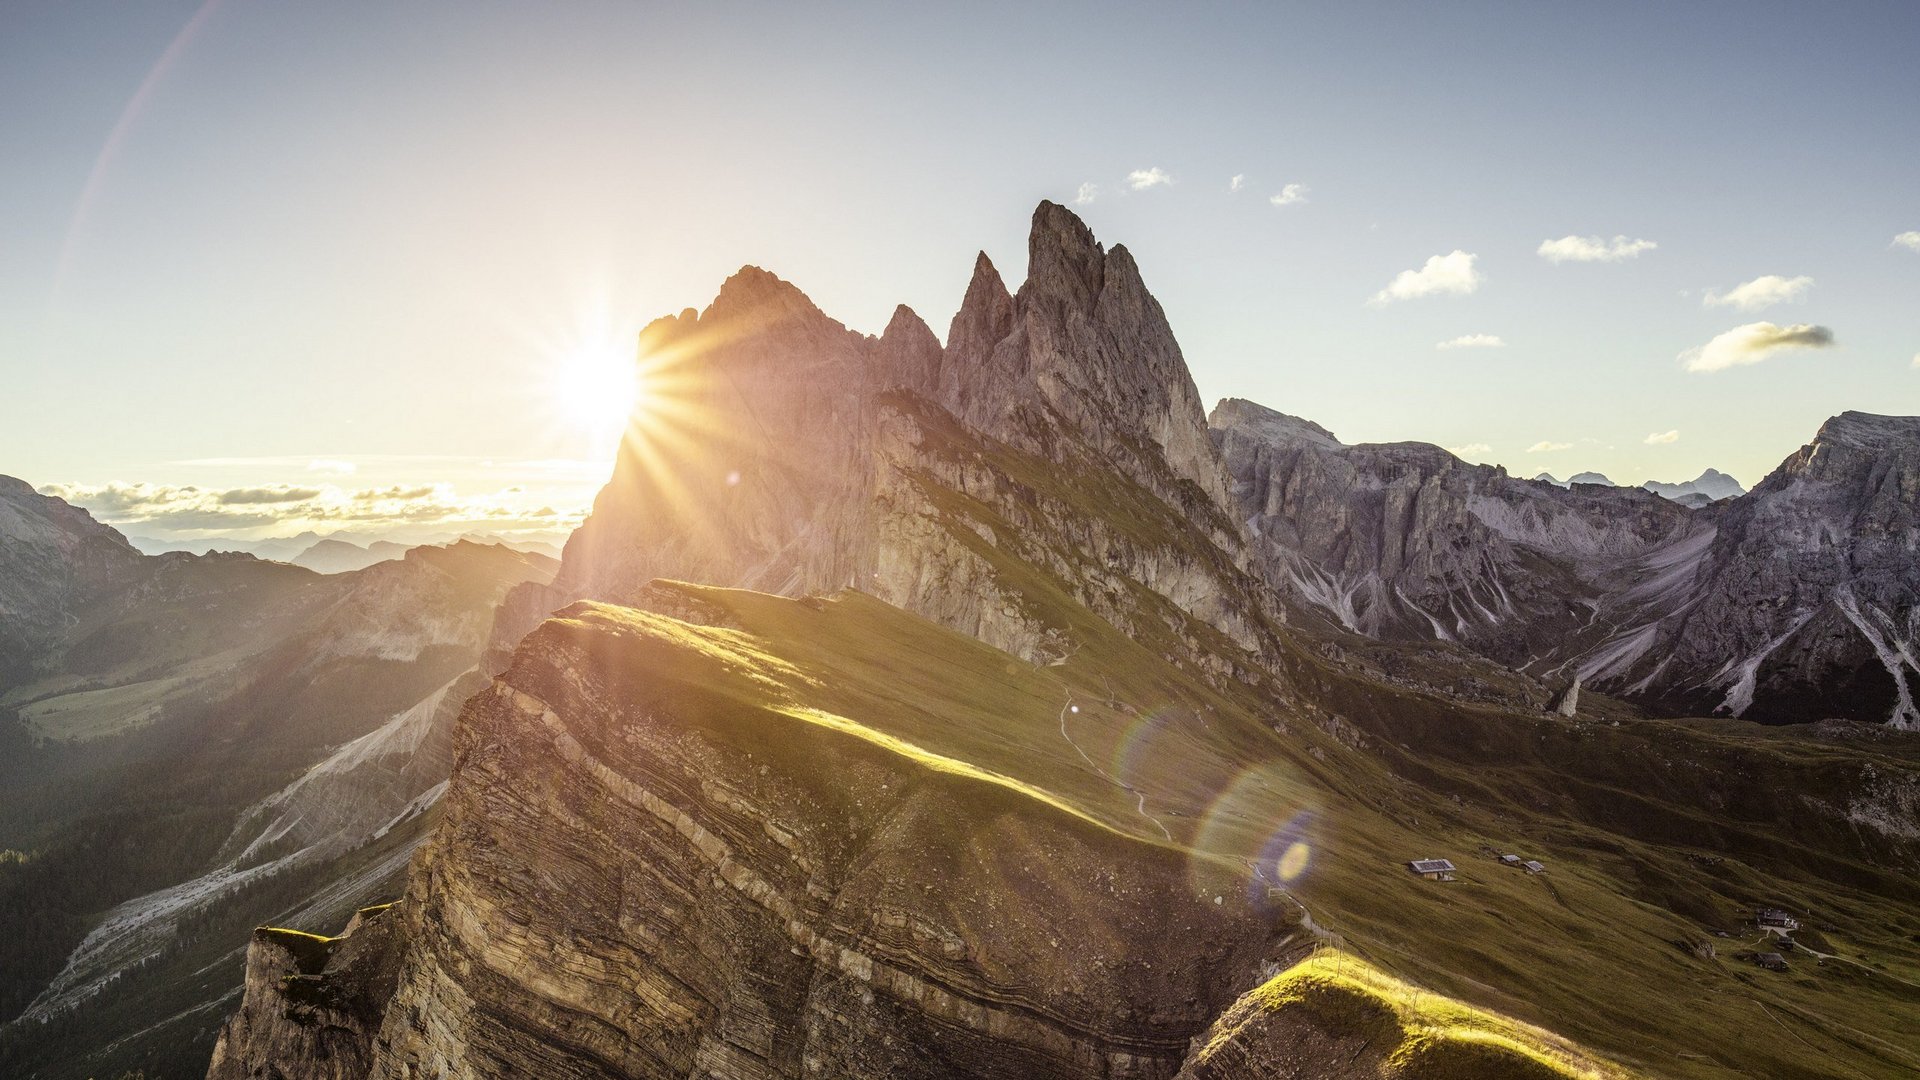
1793 600
53 558
842 455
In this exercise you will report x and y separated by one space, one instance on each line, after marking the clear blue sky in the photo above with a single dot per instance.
363 234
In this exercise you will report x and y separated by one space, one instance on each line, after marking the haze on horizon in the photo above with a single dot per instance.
275 268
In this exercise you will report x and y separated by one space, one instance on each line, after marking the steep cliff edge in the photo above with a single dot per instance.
328 995
757 864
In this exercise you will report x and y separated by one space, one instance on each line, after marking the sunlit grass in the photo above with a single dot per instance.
1436 1036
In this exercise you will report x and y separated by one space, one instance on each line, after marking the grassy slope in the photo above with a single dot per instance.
1588 950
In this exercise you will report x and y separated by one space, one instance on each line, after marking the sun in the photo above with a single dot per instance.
596 387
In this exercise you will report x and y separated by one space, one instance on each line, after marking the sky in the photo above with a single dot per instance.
272 266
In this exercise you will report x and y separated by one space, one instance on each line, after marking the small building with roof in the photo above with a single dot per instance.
1432 869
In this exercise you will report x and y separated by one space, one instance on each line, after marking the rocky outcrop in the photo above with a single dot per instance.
313 1003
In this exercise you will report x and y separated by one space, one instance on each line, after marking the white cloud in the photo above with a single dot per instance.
1909 240
1593 249
1451 273
1473 341
1142 179
337 468
1239 181
1470 450
1753 343
1759 293
1661 438
1088 192
1545 447
1289 195
1916 360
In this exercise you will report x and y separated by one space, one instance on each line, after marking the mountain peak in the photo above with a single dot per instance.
1270 424
1869 431
759 294
986 313
1064 261
909 353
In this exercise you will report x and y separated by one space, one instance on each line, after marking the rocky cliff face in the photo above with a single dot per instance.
331 992
1794 602
1404 541
787 890
1807 604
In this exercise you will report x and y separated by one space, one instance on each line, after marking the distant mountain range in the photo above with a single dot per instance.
329 554
1709 487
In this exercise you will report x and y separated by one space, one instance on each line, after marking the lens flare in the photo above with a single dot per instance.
1265 820
1293 861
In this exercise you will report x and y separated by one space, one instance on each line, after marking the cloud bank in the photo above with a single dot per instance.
1661 438
167 508
1545 447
